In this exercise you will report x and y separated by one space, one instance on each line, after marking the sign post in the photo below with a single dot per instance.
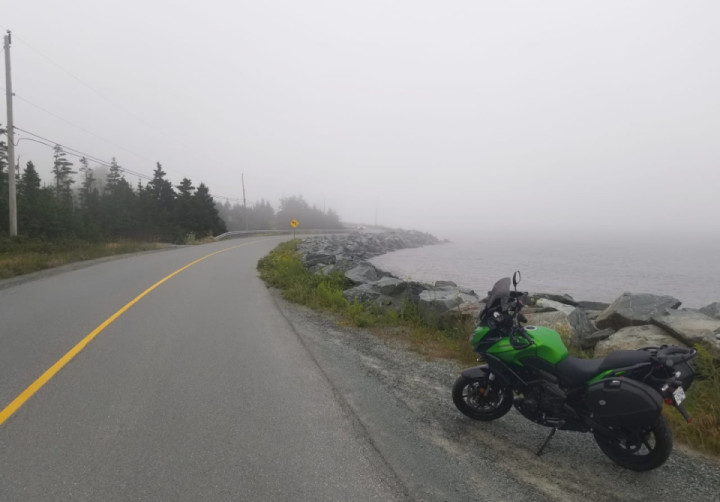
294 224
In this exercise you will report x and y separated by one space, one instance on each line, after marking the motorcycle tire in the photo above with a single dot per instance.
480 401
645 450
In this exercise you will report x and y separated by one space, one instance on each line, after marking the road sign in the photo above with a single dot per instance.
294 223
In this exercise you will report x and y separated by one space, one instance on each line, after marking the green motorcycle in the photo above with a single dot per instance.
617 398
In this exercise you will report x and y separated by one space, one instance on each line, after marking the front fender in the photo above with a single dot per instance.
476 372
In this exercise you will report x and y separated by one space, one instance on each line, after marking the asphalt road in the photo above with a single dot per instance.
210 387
199 391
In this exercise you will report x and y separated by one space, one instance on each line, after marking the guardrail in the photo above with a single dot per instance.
249 233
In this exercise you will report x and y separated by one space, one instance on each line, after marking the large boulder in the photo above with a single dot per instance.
587 305
560 307
391 286
362 293
635 310
319 258
363 273
578 319
634 337
691 327
712 310
588 342
433 304
565 299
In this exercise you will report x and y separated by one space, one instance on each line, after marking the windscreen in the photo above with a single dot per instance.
499 295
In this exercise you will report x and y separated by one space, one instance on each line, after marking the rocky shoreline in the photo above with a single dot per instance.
632 321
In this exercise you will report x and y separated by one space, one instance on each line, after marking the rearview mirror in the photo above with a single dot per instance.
516 279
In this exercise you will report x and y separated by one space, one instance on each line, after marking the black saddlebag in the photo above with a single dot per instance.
621 402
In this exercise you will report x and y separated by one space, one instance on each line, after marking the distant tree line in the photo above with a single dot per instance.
79 205
262 216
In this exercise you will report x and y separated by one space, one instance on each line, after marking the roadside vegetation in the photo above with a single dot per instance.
23 256
284 270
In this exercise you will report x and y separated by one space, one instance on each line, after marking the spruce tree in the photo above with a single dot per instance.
62 171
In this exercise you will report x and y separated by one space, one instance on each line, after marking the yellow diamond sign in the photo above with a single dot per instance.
294 223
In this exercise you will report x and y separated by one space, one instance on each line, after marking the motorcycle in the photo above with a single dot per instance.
617 398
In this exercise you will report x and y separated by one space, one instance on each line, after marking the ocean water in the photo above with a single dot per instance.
585 269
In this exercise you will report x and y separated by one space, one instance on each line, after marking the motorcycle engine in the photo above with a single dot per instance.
542 404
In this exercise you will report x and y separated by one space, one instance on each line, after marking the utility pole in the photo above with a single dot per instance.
12 201
242 177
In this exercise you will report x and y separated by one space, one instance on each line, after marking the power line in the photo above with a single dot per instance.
78 79
80 128
115 104
79 154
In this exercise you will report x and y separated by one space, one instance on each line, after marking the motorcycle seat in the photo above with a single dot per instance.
577 371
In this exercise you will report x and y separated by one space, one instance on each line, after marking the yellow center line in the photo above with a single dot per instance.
11 408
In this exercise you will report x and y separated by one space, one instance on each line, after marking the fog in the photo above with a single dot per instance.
451 117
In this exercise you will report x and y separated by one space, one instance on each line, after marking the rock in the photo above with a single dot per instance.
464 316
537 310
560 307
691 327
712 310
391 286
593 305
362 293
434 303
445 284
566 299
356 247
312 259
634 337
635 310
363 273
581 324
589 341
592 314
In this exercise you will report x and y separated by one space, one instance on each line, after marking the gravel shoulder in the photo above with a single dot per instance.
401 405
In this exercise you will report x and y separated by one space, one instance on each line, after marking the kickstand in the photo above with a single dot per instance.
547 440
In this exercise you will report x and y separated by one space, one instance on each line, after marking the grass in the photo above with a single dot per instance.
703 405
20 256
283 269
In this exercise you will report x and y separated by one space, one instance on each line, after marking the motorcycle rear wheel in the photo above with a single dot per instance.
641 451
480 399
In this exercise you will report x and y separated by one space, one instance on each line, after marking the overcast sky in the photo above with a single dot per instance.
554 115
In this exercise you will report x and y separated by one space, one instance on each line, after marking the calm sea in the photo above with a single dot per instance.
586 270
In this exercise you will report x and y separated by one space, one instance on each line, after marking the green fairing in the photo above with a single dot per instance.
548 346
478 335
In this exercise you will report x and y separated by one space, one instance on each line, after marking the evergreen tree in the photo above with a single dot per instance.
262 216
62 171
309 217
184 215
38 211
157 208
207 219
88 218
118 204
113 177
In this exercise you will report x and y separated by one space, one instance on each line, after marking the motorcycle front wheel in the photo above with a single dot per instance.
640 450
481 399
